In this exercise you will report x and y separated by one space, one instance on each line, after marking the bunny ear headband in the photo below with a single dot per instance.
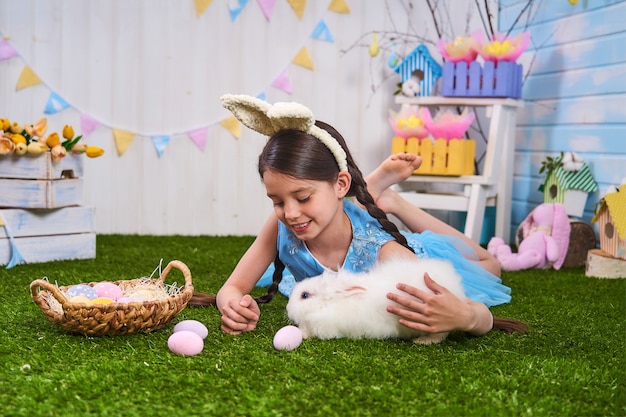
268 119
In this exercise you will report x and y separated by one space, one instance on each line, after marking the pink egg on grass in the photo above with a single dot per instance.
287 338
108 290
186 343
194 326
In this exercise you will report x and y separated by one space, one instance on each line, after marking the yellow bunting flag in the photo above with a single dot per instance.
298 7
303 59
201 6
27 79
233 126
339 6
123 140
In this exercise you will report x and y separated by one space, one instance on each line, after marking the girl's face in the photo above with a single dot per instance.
307 207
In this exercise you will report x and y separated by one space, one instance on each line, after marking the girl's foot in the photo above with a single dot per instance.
392 170
388 201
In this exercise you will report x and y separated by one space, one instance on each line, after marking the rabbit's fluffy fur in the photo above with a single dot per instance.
354 305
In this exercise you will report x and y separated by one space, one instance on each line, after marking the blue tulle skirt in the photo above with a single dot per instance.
479 284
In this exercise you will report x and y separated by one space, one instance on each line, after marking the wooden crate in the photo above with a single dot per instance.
36 182
489 80
49 235
452 157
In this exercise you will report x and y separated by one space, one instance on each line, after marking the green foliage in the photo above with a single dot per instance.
570 363
550 164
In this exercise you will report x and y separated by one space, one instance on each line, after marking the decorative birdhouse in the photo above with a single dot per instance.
568 181
419 72
611 218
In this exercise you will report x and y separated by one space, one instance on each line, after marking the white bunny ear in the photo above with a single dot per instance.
291 116
250 111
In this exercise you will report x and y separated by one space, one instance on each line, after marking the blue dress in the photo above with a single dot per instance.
369 236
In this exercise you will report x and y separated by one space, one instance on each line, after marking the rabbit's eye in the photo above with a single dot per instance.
304 295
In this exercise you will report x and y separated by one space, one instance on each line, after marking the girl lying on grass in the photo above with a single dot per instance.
308 172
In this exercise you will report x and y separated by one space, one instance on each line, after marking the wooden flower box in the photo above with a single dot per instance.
49 235
37 182
40 208
503 79
454 157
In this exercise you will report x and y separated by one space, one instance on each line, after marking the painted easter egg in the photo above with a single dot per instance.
108 290
101 300
82 289
194 326
186 343
80 299
287 338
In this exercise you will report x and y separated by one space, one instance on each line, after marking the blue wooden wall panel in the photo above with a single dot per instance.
574 92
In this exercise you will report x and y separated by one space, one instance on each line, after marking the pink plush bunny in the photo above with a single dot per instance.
545 241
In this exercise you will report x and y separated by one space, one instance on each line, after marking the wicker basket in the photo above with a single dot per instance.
116 318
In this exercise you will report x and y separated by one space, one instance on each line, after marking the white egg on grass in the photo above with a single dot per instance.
194 326
288 338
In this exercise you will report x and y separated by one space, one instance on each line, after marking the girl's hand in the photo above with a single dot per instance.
432 313
240 316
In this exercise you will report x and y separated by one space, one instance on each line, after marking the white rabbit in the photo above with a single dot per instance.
354 305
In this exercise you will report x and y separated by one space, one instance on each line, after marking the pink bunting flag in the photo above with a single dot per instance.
88 124
6 50
282 82
267 7
199 136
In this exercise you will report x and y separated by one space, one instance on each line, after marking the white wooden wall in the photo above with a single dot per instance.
155 67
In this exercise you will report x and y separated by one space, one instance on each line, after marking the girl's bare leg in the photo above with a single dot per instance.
417 220
392 170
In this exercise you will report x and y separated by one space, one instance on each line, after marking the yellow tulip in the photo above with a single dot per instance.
16 127
16 138
53 140
94 151
68 132
4 123
20 148
36 148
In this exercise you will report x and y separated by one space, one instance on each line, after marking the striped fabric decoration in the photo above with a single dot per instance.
576 180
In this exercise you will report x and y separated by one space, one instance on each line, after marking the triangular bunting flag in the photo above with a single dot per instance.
27 79
262 96
6 50
160 142
235 11
88 124
267 7
199 137
201 6
298 7
282 82
303 59
321 32
339 6
55 104
123 139
233 126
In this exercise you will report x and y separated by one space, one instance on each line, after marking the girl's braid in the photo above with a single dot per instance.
279 267
365 198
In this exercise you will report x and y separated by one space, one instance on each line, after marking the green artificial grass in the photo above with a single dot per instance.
571 363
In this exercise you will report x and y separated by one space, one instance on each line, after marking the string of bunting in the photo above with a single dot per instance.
123 138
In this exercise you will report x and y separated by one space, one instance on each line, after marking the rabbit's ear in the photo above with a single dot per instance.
353 290
250 111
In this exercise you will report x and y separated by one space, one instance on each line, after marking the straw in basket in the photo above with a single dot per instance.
115 318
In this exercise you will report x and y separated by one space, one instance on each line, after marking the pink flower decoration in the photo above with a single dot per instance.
408 123
462 49
502 48
447 124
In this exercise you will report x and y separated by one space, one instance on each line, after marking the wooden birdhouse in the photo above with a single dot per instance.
568 183
610 260
419 69
611 218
